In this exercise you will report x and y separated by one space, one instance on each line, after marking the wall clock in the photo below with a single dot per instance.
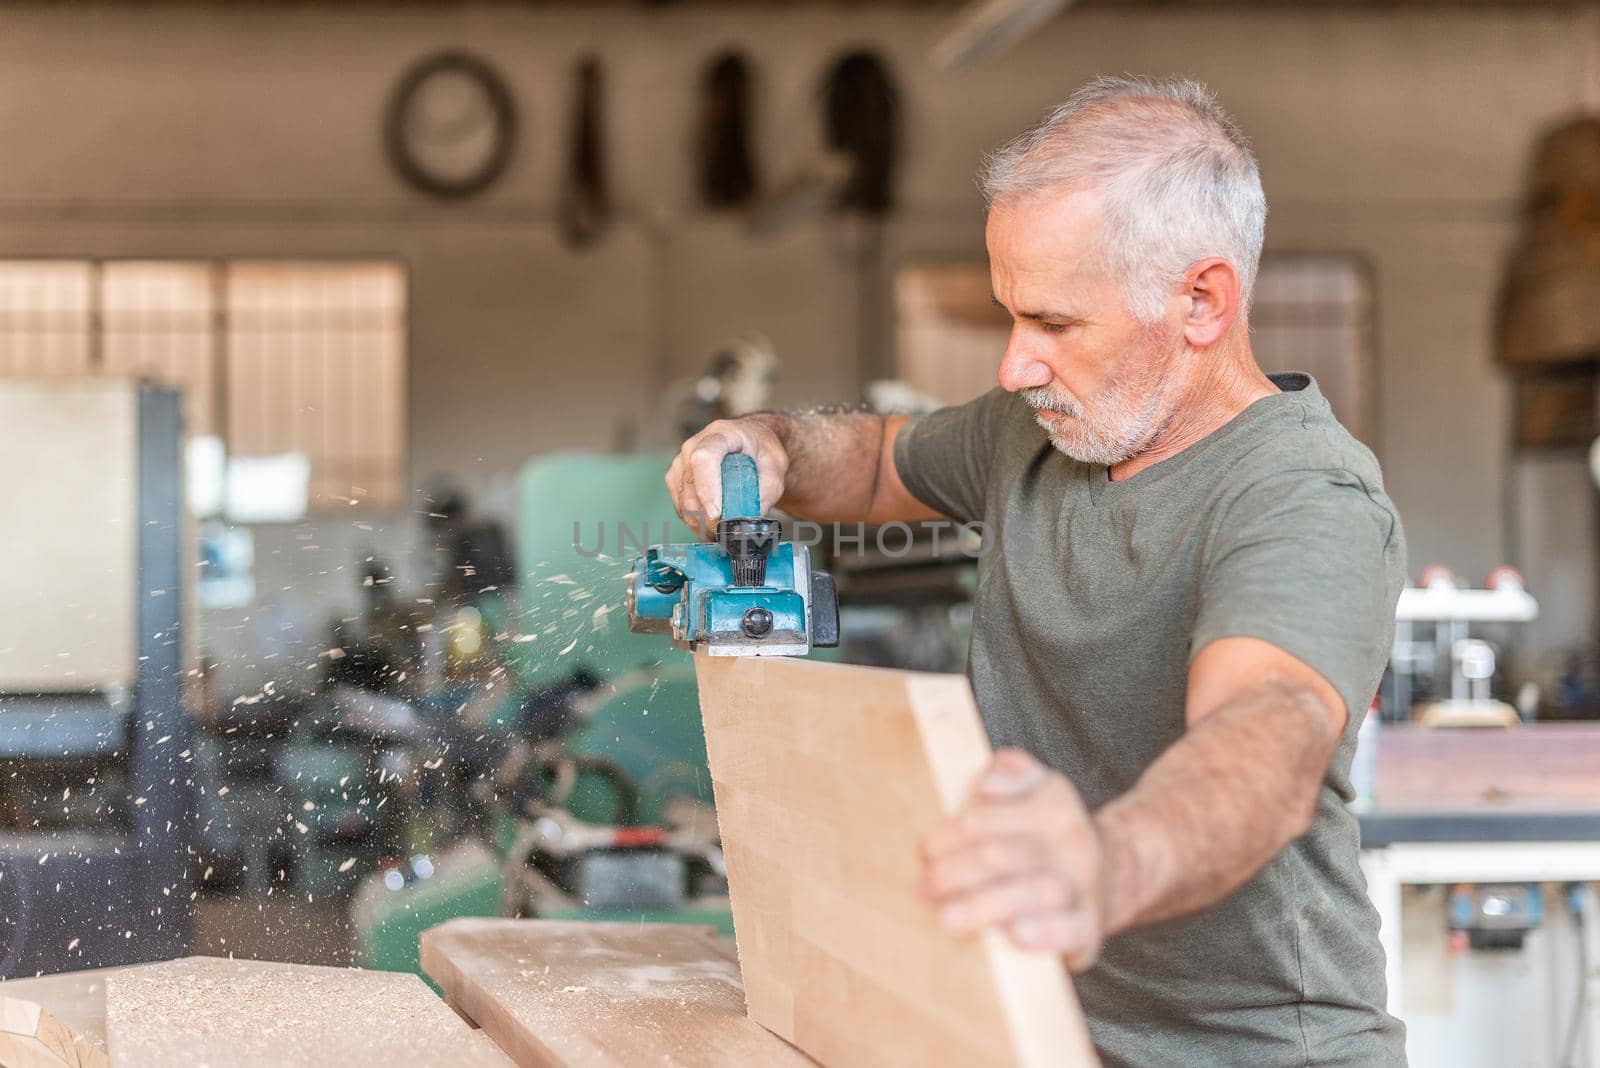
451 125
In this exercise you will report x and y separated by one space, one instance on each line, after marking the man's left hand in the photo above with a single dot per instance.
1026 857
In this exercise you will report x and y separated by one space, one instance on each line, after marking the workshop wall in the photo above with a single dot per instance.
233 130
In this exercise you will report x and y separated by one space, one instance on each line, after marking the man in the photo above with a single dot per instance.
1185 606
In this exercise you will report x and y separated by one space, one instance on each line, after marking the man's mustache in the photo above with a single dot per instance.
1043 399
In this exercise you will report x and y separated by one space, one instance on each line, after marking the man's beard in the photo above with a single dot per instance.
1125 417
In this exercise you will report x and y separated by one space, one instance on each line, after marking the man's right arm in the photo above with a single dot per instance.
825 466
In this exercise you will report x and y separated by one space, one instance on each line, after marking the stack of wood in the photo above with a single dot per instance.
1549 328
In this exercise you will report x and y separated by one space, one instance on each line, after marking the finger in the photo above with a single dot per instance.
693 512
1073 934
1000 903
675 483
1038 814
1011 774
988 861
705 465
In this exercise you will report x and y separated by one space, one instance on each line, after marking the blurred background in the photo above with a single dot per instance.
343 346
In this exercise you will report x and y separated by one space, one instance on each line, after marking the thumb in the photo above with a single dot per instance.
1011 774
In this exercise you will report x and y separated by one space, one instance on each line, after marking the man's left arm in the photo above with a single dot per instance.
1240 785
1305 572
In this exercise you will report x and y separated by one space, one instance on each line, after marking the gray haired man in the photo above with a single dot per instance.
1183 613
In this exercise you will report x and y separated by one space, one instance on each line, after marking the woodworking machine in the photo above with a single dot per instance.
744 594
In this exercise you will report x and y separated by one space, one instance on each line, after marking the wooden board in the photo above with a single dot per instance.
30 1037
254 1014
77 999
1532 765
827 776
590 995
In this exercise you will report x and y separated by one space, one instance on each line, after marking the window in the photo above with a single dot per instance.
158 321
1312 312
314 367
949 335
273 357
45 313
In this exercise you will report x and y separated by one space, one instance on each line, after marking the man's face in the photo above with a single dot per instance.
1097 377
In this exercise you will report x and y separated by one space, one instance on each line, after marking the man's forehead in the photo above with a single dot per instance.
1050 212
1045 233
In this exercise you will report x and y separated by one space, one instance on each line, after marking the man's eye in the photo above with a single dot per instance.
1054 328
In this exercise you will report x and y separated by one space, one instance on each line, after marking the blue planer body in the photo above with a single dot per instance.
744 594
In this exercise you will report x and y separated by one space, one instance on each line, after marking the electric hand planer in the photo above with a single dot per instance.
745 593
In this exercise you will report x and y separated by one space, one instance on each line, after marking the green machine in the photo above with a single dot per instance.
581 518
629 756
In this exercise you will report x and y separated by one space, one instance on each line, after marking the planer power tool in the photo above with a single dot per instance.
745 593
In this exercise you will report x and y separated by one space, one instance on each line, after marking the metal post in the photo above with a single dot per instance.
1384 889
160 730
1591 976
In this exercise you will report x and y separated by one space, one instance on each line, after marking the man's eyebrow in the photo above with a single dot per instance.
1037 316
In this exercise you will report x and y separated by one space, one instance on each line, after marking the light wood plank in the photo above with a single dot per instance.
77 999
254 1014
827 776
30 1037
597 995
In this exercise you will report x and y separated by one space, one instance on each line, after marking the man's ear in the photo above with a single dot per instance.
1212 286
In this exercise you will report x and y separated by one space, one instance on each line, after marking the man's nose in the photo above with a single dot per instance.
1019 371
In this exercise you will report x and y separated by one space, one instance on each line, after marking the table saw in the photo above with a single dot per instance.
1503 813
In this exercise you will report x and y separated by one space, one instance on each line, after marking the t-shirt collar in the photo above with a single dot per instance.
1293 387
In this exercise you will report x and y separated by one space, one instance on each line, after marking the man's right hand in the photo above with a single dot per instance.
695 477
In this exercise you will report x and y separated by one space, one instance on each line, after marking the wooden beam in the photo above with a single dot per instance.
601 995
255 1014
826 778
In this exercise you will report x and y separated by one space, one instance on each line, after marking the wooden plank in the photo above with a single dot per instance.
827 776
209 1010
1533 765
593 995
30 1037
77 999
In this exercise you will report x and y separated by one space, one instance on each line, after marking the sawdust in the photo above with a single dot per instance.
210 1011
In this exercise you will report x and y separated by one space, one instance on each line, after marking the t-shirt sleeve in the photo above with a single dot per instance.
943 457
1312 562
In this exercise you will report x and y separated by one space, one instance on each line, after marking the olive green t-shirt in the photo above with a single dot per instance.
1094 596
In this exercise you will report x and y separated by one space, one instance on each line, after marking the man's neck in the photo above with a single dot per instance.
1227 382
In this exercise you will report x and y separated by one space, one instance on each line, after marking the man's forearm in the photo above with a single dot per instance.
834 456
1216 807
